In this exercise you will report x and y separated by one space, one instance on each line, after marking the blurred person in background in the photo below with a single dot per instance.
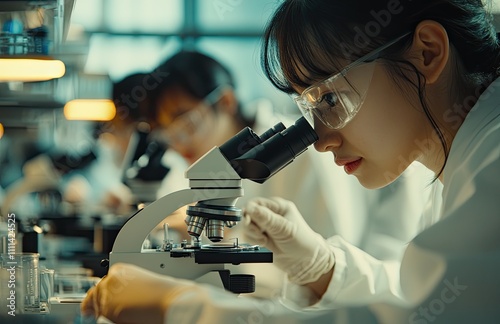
114 141
125 143
132 163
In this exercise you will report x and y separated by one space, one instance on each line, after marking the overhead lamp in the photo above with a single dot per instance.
90 109
30 69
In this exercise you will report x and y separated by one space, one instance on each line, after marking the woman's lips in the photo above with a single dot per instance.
349 168
350 165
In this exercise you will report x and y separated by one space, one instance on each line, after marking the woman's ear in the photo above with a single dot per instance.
430 49
228 102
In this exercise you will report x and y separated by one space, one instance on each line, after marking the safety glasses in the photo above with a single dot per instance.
194 122
336 100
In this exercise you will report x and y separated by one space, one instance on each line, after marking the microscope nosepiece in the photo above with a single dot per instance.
212 219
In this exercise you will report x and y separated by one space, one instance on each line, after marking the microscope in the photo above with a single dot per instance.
214 187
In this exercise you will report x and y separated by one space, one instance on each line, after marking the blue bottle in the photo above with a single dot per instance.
13 26
12 38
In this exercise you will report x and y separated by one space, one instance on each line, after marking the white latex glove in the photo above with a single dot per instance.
299 251
130 294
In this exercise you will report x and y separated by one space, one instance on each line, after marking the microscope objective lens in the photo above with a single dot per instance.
215 230
196 225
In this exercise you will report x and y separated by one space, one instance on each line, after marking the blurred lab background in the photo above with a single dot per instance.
76 157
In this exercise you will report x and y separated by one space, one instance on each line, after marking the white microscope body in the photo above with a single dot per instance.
214 182
215 185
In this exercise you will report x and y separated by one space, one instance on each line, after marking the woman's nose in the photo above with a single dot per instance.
329 139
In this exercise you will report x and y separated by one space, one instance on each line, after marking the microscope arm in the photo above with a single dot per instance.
137 228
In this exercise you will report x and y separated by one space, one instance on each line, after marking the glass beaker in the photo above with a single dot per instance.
46 284
19 277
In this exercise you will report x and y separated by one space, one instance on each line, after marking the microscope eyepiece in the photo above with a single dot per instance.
245 140
265 159
272 131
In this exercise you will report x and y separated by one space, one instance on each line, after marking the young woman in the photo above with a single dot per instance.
384 84
198 108
395 83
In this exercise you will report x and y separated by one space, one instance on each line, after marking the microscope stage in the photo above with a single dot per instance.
211 254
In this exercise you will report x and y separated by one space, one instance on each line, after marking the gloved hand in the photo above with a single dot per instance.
130 294
299 251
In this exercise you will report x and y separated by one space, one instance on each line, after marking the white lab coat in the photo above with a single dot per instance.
175 179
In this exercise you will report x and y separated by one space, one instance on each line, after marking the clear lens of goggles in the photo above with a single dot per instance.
336 100
184 127
194 122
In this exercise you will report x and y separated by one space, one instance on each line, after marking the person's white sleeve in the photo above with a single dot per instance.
466 241
214 305
358 279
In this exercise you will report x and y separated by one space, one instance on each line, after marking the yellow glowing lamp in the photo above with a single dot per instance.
90 109
1 130
30 69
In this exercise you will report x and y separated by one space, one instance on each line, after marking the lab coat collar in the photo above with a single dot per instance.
486 109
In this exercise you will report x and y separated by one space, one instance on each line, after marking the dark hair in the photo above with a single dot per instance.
132 98
319 36
197 74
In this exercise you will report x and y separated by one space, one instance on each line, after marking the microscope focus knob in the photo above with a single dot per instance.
105 263
242 283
